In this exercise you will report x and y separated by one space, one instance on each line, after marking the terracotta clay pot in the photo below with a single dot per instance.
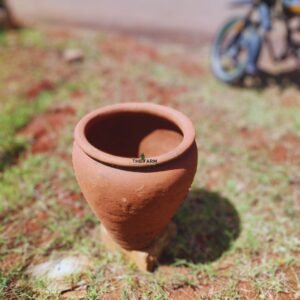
134 163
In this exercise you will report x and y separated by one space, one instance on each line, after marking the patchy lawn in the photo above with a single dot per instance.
238 230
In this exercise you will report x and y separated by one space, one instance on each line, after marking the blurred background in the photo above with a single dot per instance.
177 20
238 229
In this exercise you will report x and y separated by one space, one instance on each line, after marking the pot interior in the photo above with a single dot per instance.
131 134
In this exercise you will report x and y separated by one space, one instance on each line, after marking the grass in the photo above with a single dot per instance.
14 116
237 230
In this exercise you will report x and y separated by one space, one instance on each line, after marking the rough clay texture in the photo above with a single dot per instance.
147 259
135 204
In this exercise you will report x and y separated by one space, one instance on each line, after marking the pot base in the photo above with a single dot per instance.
146 259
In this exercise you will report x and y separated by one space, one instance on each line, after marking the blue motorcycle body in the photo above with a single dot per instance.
237 46
245 38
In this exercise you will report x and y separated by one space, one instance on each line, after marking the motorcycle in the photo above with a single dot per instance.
237 46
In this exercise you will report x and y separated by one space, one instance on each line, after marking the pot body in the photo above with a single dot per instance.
135 204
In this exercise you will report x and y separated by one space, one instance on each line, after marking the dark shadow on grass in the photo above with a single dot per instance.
265 79
9 157
207 224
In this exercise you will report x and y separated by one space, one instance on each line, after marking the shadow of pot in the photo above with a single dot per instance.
207 225
134 163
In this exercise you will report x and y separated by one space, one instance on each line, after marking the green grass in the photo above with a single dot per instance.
238 223
13 117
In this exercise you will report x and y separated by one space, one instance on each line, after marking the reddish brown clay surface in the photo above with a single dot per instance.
135 198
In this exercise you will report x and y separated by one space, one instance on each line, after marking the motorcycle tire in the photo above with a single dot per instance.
217 68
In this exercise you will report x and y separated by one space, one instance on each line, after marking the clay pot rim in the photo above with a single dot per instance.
180 120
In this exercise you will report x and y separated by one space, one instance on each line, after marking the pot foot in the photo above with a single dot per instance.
145 259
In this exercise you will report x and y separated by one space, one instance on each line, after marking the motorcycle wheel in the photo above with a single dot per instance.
226 66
